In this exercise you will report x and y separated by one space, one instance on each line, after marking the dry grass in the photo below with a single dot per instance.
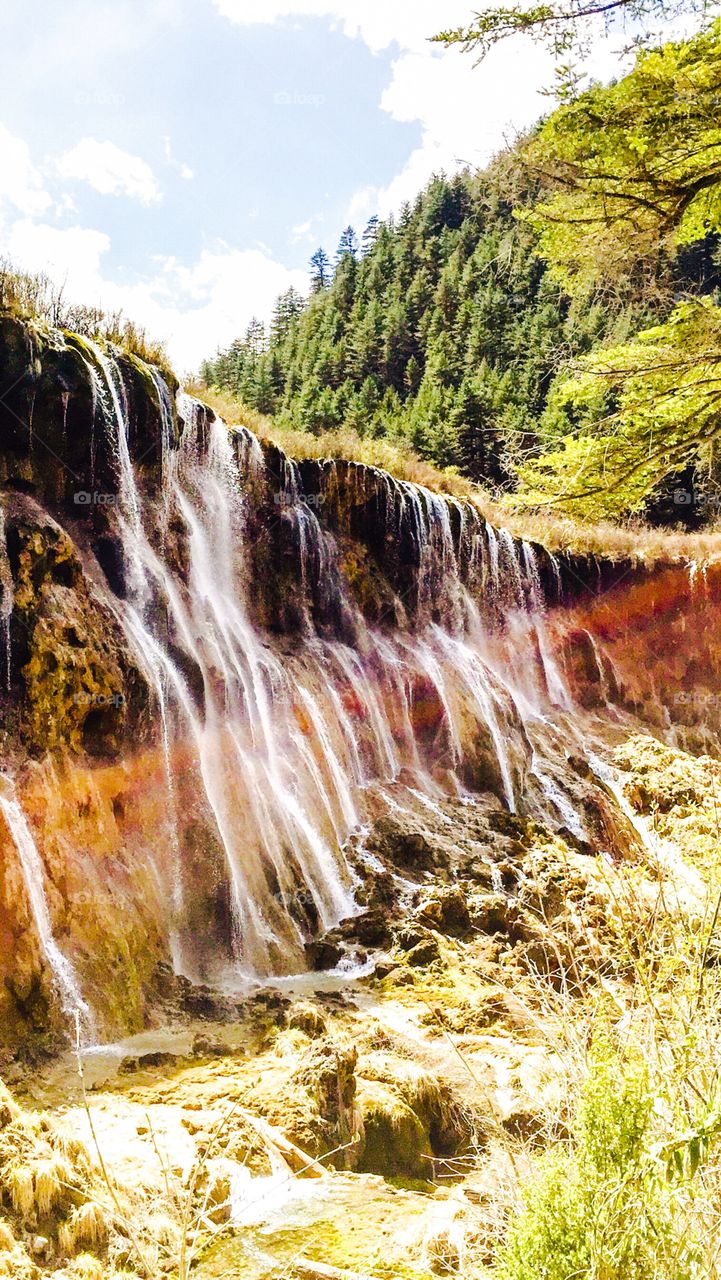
393 456
86 1267
88 1228
52 1177
34 296
20 1189
631 540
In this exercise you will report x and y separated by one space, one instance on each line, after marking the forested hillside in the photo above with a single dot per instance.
456 325
443 326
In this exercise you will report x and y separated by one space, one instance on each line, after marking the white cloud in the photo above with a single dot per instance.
306 230
466 113
21 184
193 309
409 22
70 256
197 308
110 170
183 169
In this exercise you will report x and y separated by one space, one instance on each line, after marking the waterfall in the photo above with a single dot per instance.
283 746
6 603
33 875
261 779
555 686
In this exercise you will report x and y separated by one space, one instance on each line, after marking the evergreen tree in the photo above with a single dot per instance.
347 245
320 272
370 235
450 329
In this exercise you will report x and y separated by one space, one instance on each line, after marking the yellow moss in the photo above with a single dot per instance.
72 667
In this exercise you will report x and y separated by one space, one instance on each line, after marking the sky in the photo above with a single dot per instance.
182 159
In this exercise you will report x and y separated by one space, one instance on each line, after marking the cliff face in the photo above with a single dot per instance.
218 667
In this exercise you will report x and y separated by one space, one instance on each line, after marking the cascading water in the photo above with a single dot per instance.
6 604
34 878
555 686
281 751
261 778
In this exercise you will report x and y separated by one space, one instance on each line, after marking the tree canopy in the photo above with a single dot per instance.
632 169
633 178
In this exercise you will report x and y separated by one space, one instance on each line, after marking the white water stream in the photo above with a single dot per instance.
34 878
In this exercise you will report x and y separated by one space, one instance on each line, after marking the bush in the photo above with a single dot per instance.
606 1210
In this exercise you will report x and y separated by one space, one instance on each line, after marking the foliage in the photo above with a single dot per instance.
633 1190
605 1208
567 27
632 415
634 171
634 168
443 333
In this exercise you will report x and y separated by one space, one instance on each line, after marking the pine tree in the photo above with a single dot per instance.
347 245
370 235
320 271
447 329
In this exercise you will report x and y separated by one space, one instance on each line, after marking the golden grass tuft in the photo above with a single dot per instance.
18 1181
34 297
88 1227
163 1229
630 540
67 1143
86 1267
53 1179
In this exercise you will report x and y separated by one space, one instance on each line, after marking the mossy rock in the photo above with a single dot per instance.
397 1144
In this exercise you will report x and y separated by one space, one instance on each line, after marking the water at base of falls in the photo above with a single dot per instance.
281 749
